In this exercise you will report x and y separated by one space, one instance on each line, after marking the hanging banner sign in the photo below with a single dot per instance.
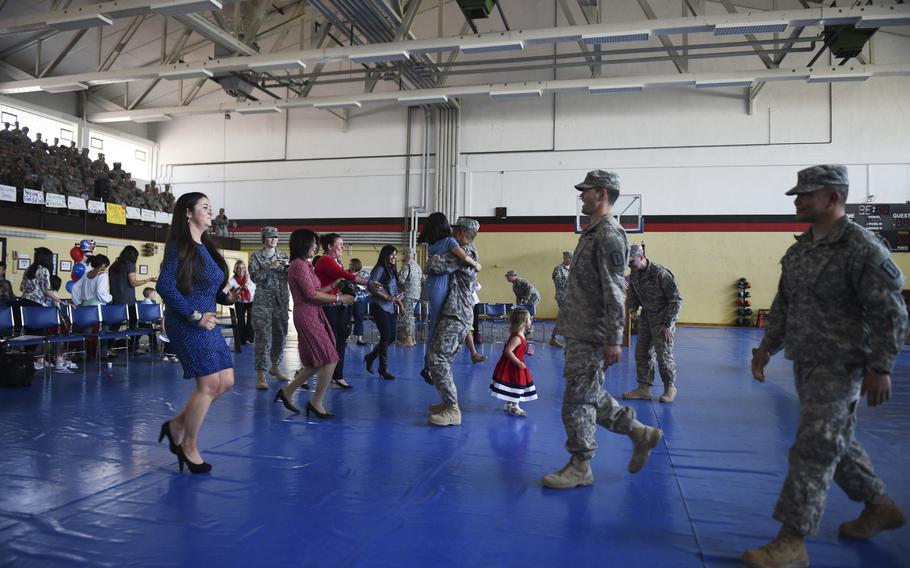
55 200
162 217
116 214
75 203
33 196
7 193
133 213
96 207
148 215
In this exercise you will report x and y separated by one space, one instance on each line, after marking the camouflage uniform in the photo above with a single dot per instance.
590 317
655 290
455 318
270 306
838 312
409 284
560 281
525 292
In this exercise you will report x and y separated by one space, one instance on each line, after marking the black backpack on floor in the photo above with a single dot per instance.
16 369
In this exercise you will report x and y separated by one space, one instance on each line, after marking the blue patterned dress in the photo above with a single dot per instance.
201 352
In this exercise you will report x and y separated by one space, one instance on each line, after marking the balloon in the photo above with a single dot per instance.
69 286
73 277
76 254
85 245
79 270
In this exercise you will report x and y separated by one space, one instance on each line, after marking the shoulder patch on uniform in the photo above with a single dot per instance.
617 258
890 269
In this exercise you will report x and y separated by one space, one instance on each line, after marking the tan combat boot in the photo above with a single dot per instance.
669 393
276 372
261 384
556 343
782 552
437 407
875 518
643 392
575 473
450 415
645 439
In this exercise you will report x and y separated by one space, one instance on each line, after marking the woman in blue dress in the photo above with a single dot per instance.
193 275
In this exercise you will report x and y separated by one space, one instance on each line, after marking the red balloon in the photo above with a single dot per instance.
76 254
73 277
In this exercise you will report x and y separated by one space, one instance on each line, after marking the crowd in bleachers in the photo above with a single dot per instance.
68 170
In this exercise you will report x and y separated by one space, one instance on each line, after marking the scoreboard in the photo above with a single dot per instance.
889 220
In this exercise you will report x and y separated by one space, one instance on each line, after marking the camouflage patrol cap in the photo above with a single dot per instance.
568 253
468 224
599 179
825 176
268 232
511 273
636 250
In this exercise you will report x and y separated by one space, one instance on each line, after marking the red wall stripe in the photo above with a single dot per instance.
565 228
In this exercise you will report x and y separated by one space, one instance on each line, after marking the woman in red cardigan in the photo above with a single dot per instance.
329 269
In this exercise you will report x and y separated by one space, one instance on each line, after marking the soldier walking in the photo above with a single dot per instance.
560 280
653 287
269 271
409 283
838 356
591 320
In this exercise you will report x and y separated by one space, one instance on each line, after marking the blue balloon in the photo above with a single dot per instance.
79 270
69 286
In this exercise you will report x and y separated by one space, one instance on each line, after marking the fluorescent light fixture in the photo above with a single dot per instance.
839 20
607 89
16 90
722 83
151 118
64 87
280 65
379 56
616 37
258 110
423 99
178 7
338 104
113 118
516 93
684 29
79 22
838 77
881 20
553 39
796 75
186 73
750 28
433 48
492 47
804 22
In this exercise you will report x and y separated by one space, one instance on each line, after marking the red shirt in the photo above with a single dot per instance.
329 270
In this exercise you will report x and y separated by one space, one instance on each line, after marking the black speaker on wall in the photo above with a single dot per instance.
500 212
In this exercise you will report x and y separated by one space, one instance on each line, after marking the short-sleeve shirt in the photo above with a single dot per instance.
121 291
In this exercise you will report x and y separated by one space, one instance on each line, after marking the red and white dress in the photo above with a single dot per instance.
510 382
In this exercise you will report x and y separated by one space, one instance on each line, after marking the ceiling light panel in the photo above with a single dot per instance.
79 22
516 93
258 110
723 83
280 65
492 47
179 74
151 118
615 37
750 28
380 56
338 104
610 89
64 87
423 100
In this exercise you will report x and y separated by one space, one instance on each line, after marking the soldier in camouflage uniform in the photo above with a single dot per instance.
839 316
560 280
653 287
454 322
525 292
409 283
269 271
591 319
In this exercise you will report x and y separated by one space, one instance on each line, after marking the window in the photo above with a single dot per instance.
96 143
8 117
133 156
66 135
140 155
46 125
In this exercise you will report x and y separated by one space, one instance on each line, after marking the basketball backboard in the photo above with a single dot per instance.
627 210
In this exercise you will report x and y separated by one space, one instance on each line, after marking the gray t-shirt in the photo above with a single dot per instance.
121 290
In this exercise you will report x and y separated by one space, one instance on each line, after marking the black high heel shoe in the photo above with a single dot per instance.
311 408
287 403
193 467
385 374
166 433
369 360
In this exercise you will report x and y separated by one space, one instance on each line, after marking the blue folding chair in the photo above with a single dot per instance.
43 318
86 319
113 315
148 314
491 314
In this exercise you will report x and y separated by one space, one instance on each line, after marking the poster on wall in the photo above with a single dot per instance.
116 214
162 217
133 213
76 203
7 193
55 200
96 207
148 215
33 196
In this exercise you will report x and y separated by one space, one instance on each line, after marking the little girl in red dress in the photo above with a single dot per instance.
512 381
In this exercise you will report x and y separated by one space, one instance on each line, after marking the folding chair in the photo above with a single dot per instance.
150 315
87 318
113 315
490 315
44 318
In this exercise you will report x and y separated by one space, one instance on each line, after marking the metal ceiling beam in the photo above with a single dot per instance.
20 75
502 40
681 64
567 12
447 67
214 34
118 47
173 56
503 90
769 63
63 53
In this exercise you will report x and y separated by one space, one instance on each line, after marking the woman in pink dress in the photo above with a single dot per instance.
315 339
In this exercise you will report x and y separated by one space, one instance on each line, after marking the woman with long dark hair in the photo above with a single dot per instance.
193 274
329 270
36 282
386 307
123 283
315 338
